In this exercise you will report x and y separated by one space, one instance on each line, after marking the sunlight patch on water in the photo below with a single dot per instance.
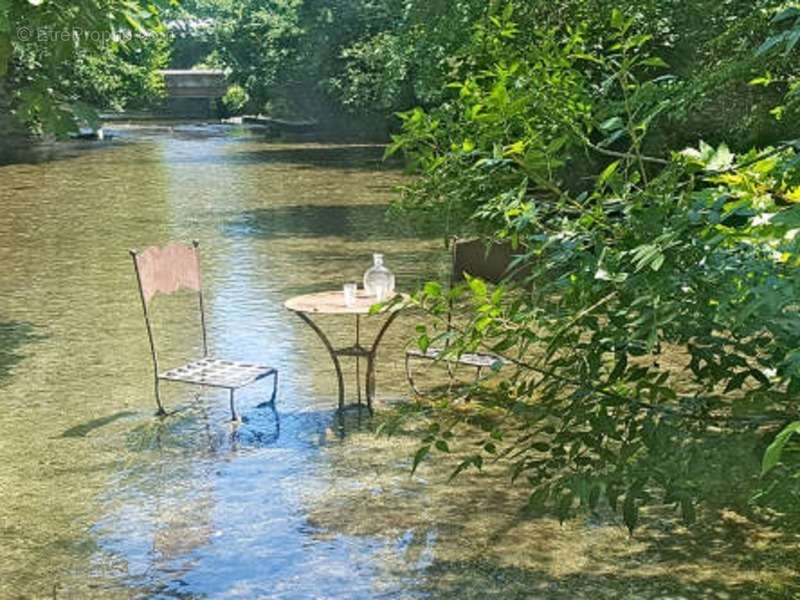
101 499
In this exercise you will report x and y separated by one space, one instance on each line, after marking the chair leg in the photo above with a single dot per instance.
274 388
271 401
160 412
478 371
233 409
451 370
410 377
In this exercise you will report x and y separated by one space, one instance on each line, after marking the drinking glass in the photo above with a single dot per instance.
350 290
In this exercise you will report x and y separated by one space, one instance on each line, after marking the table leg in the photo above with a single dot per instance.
370 383
331 351
358 361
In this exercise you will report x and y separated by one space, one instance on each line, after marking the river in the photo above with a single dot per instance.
101 499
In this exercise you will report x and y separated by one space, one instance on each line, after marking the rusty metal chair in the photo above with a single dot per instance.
168 270
475 258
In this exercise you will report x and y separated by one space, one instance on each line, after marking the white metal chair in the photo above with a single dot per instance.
168 270
474 257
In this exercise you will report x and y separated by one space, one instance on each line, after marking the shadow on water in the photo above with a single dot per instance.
197 430
355 222
365 156
483 579
360 159
83 429
37 153
13 336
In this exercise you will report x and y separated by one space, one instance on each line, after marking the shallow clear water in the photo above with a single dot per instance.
99 495
102 499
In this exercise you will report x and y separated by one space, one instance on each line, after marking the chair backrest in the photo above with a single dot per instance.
490 262
165 271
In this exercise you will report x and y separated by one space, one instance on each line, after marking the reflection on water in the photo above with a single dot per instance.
101 499
98 496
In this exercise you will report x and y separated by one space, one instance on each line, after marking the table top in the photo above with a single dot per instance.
330 303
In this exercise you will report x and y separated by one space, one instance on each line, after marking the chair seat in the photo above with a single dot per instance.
214 372
472 359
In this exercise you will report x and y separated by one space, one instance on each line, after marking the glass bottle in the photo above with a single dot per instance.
378 280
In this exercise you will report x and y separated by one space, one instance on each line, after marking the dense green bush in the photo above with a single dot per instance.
59 63
654 345
375 57
235 100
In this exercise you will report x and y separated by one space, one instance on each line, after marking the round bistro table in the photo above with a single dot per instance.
332 303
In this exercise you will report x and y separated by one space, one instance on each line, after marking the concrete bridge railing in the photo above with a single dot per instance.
191 93
195 84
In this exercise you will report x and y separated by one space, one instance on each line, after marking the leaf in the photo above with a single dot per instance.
791 41
638 40
134 23
764 80
432 289
657 262
655 61
722 159
478 287
608 172
612 124
772 455
516 148
482 324
612 138
787 218
589 57
769 44
424 342
474 460
420 456
786 14
617 20
442 446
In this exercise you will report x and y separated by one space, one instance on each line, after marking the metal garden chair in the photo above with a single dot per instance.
167 270
473 258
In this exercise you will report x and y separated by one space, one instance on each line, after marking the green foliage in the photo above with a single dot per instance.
374 57
779 470
235 100
258 42
774 453
58 63
656 334
787 39
782 44
511 126
323 58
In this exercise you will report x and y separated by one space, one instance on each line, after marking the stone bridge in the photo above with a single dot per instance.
192 93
